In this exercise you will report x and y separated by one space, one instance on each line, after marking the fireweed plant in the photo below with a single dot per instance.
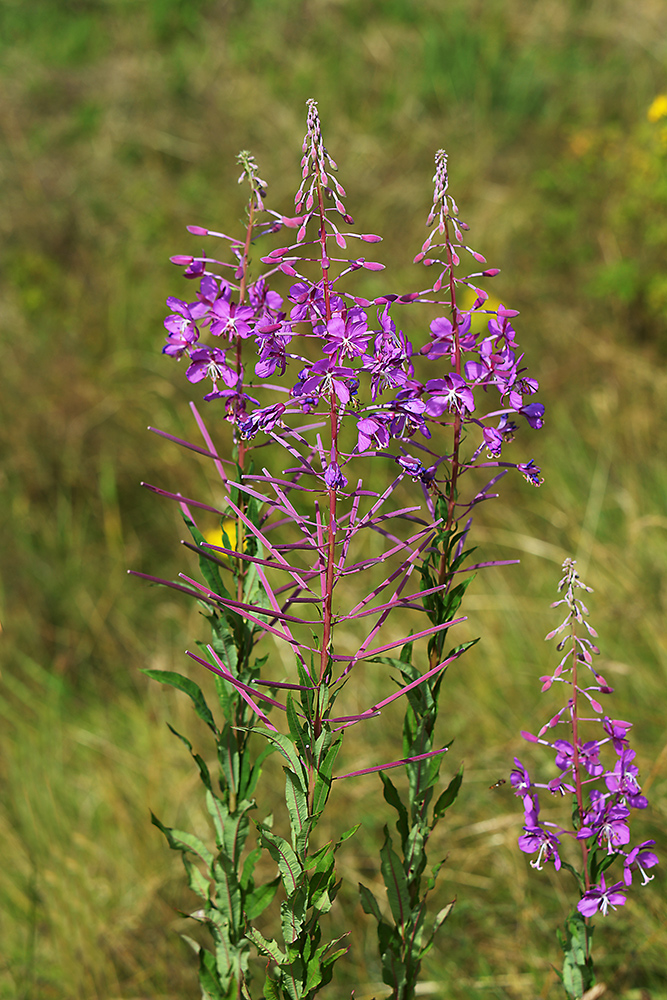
320 387
599 775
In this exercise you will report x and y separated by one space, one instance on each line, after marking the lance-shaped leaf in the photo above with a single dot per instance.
439 920
324 778
191 689
227 889
447 797
290 869
395 882
266 947
293 915
297 808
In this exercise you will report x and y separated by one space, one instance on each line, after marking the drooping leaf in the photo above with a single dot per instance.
179 840
190 688
369 903
395 882
393 799
447 797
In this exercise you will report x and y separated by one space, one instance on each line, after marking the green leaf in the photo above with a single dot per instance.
190 688
393 798
291 872
297 730
448 797
286 747
255 902
208 977
225 952
297 807
179 840
369 903
323 778
199 883
250 774
228 892
265 946
440 918
293 915
395 882
271 989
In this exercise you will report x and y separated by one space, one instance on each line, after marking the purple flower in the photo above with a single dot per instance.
638 860
617 730
182 331
623 780
601 898
416 469
407 414
262 299
373 431
210 361
587 754
235 402
534 414
264 419
230 318
442 331
536 838
333 477
520 779
447 394
348 337
272 341
531 473
324 378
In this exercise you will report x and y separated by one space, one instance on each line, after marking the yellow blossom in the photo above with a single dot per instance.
658 108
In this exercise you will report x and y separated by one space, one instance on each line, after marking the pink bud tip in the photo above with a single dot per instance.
197 231
181 261
491 272
478 257
291 223
371 238
287 269
502 311
372 265
420 256
528 736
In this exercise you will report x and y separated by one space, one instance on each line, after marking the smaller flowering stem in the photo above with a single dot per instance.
575 753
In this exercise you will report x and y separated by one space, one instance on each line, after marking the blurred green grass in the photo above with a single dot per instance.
120 121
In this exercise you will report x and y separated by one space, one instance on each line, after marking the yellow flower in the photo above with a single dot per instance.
658 108
215 537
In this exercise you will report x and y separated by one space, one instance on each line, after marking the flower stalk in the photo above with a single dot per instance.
604 794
